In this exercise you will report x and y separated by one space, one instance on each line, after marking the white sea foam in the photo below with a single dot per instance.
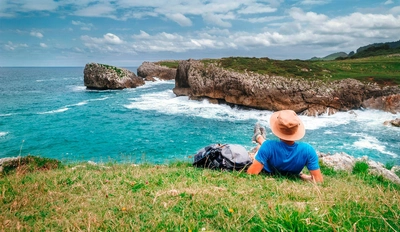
78 104
99 99
55 111
78 88
5 115
151 84
3 134
369 142
43 80
166 102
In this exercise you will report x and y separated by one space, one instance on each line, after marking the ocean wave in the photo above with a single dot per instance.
77 88
3 134
158 101
55 111
5 115
99 99
78 104
45 80
371 143
151 84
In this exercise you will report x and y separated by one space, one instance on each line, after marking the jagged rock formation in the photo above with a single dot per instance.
149 70
389 103
395 122
101 76
345 162
196 80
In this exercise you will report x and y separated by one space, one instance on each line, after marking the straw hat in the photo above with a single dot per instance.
287 125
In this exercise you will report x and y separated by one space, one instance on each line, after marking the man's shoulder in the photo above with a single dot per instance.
306 147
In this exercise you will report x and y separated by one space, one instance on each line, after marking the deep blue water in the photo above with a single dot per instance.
49 112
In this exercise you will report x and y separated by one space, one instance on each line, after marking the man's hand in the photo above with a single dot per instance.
316 176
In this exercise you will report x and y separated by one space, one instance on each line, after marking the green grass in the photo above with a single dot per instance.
384 70
179 197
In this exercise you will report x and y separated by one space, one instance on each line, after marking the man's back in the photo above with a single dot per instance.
278 156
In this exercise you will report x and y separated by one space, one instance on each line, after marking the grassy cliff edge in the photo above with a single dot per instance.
48 195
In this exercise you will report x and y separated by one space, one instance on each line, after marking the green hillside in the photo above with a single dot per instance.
331 56
381 69
384 69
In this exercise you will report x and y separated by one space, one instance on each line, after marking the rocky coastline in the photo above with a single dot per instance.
266 92
197 80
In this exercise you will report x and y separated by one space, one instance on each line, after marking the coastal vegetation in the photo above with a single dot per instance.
383 70
43 194
119 71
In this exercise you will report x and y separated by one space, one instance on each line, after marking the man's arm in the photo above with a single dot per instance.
255 168
316 176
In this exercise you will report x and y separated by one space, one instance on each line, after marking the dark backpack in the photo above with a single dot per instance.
226 157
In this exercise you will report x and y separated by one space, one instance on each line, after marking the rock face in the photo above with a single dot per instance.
345 162
395 122
149 70
195 80
389 103
101 76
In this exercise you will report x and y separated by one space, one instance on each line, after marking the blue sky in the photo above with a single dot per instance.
127 32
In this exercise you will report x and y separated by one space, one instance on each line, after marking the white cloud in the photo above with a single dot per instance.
395 10
180 19
84 26
109 42
43 45
99 10
299 15
112 39
36 34
10 46
217 20
388 2
142 35
257 9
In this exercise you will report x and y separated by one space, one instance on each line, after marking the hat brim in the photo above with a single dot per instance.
301 131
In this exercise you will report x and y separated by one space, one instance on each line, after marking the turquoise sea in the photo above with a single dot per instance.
49 112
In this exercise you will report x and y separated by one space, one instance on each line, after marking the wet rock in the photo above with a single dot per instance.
395 122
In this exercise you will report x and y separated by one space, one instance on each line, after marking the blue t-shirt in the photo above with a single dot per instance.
279 157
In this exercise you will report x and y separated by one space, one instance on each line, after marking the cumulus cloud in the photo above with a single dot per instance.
10 46
108 43
389 2
84 26
36 34
98 10
300 15
43 45
112 39
257 9
180 19
218 20
395 10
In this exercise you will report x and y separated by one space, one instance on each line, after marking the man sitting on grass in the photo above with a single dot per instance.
285 157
